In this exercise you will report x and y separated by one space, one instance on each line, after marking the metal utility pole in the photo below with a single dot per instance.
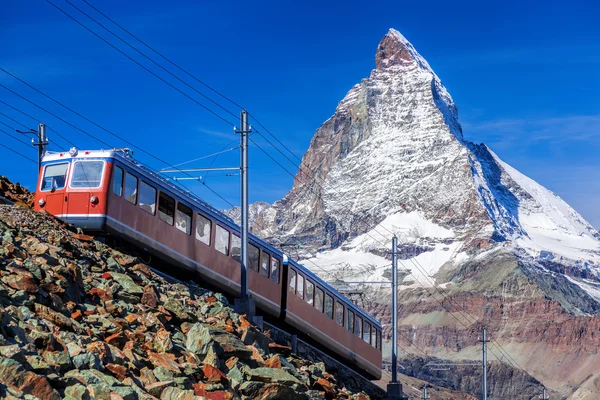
244 130
394 387
544 395
42 143
394 310
425 397
484 364
244 304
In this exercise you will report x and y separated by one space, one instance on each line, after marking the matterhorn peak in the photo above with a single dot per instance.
394 49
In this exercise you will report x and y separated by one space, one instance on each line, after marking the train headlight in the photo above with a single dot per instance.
94 200
42 202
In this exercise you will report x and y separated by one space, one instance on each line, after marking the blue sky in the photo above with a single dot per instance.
524 76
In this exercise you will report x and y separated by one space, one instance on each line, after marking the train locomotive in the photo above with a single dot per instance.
108 192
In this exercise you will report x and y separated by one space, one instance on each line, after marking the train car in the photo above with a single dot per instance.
108 192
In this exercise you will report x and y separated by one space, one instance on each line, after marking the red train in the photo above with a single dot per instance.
107 191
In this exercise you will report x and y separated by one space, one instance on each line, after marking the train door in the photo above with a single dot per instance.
53 187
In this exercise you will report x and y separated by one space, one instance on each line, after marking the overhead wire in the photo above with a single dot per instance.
140 64
162 56
151 60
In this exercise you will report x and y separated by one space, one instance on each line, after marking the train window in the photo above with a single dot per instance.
87 174
222 240
329 306
55 176
373 336
203 229
367 332
339 313
253 256
358 326
293 280
300 286
130 188
350 321
147 198
118 181
236 248
275 270
310 292
166 208
264 264
378 340
183 218
319 295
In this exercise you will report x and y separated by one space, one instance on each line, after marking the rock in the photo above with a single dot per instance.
278 361
157 388
14 377
272 375
77 392
149 297
128 285
212 374
173 393
173 305
162 341
163 374
198 339
268 391
87 361
252 336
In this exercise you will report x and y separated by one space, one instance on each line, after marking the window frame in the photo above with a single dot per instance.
115 167
189 230
294 273
310 300
358 326
71 170
328 296
163 194
139 203
278 269
365 325
260 264
253 267
350 317
335 312
317 290
237 258
66 175
137 190
198 215
228 239
300 290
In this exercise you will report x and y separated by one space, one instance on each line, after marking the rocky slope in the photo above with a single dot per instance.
79 320
392 160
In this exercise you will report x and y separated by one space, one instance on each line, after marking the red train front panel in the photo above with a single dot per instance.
73 185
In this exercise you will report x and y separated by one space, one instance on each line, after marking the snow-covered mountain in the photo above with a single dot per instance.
393 160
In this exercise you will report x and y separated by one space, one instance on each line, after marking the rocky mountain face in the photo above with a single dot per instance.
508 253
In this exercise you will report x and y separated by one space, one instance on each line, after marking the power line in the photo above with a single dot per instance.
17 152
165 58
139 64
151 60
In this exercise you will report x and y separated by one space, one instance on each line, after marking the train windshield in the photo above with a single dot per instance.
55 176
87 174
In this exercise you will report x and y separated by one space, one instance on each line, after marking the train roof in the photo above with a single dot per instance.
125 157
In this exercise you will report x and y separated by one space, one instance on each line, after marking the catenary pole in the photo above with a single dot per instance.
41 144
484 364
394 388
244 130
394 310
